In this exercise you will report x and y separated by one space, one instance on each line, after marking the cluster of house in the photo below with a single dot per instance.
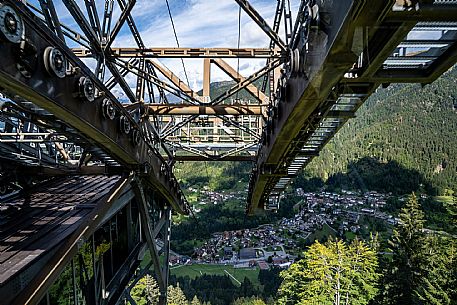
229 246
267 244
208 197
303 224
263 246
343 210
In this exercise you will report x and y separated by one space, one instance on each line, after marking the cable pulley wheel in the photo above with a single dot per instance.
125 125
136 137
86 89
55 62
108 110
11 25
294 61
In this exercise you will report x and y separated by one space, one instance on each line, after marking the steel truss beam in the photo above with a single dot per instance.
164 224
252 89
246 82
257 18
50 14
182 86
124 15
151 78
192 158
184 53
202 153
67 31
36 139
183 109
74 106
305 91
96 45
316 110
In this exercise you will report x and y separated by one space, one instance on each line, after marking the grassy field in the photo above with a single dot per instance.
349 235
197 270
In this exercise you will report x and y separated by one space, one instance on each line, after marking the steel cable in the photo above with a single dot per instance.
177 41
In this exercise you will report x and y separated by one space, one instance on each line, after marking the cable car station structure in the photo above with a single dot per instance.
86 179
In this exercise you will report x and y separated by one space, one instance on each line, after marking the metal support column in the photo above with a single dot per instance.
206 79
161 271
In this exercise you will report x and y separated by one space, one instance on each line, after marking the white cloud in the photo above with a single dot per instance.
205 24
199 23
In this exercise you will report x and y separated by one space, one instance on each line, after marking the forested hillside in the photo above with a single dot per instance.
403 139
217 176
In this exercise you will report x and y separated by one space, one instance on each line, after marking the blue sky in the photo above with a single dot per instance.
199 23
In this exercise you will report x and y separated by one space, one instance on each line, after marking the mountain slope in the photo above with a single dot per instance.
404 130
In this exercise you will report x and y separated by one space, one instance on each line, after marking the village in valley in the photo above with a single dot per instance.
317 216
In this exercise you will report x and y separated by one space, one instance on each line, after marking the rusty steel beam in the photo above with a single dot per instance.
246 82
175 79
206 77
185 53
196 158
186 109
235 75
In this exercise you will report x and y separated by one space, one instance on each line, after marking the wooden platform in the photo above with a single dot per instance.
31 225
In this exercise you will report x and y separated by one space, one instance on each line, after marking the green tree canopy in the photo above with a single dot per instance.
249 301
409 260
331 273
423 267
146 291
176 296
195 301
452 209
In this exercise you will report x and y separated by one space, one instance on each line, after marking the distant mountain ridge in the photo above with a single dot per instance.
218 88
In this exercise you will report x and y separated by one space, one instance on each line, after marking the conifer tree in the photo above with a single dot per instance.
249 301
439 285
432 284
175 296
451 254
409 260
146 291
374 243
195 301
452 209
151 290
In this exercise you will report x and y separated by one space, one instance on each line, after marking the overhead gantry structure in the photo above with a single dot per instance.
86 181
90 132
81 175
